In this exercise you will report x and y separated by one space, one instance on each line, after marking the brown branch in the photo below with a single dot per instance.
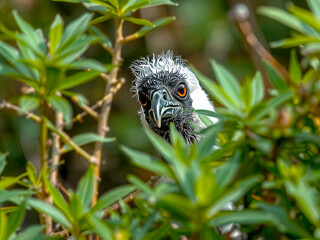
86 108
30 115
56 149
106 105
63 190
107 98
66 138
240 14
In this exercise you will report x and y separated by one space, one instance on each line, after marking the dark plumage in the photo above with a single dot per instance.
168 92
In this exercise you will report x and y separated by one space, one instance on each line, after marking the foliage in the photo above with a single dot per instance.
262 156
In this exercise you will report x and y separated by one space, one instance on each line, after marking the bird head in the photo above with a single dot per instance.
168 91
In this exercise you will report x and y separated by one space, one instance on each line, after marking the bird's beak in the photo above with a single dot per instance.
162 105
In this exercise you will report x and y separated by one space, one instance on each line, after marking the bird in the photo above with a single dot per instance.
168 91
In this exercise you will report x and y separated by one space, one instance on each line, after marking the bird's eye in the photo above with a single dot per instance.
142 99
182 90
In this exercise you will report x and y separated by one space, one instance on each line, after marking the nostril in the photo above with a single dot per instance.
164 95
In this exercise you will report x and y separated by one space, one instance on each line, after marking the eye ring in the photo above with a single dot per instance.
182 90
142 99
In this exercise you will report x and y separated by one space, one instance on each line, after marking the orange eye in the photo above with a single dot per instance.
142 99
182 90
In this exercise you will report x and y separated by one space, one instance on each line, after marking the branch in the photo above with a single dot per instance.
56 149
107 98
30 115
106 105
66 138
240 14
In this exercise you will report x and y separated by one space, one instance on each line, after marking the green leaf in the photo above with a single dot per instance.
32 173
29 103
58 199
233 194
226 172
34 38
148 162
177 139
55 33
61 105
282 221
294 67
287 19
298 40
217 92
311 49
9 195
315 8
101 228
85 138
49 210
228 82
3 162
77 79
15 220
255 217
165 149
257 89
112 196
156 24
76 49
74 29
307 199
261 111
153 3
89 64
76 208
8 181
140 184
305 16
100 19
139 21
134 5
31 233
85 189
104 41
275 78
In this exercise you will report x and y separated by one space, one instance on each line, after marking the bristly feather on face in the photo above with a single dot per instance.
169 92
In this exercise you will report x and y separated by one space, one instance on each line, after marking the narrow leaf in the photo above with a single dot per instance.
55 33
61 105
85 138
50 210
112 196
77 79
85 189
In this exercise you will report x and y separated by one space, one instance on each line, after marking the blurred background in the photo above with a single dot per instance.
203 29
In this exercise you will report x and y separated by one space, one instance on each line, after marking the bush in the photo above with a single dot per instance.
267 162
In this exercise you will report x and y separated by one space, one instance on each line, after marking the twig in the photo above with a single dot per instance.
66 138
240 14
86 108
56 151
63 190
106 106
128 199
30 115
107 98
